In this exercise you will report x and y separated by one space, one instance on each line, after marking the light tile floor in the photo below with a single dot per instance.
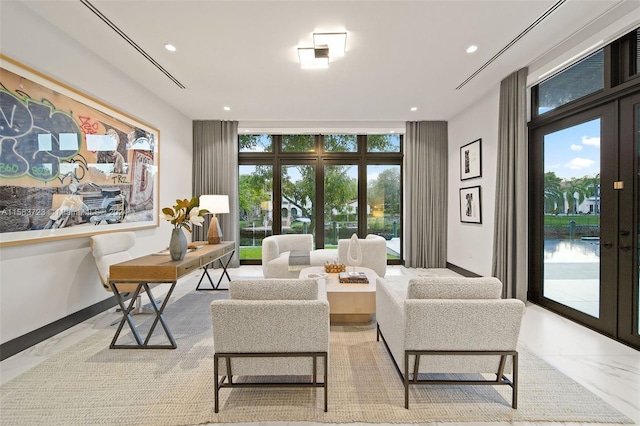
609 369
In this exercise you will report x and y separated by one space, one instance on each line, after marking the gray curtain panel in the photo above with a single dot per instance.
510 223
215 171
426 171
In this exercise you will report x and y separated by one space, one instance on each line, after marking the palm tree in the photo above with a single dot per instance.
592 189
553 195
574 192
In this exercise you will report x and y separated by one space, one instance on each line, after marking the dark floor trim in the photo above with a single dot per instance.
462 271
23 342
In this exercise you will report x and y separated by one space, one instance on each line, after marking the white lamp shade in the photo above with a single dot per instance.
215 203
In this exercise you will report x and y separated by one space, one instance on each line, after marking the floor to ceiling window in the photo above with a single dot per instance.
256 209
341 202
384 201
584 148
330 186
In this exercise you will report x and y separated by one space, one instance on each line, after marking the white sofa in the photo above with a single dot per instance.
450 325
271 327
276 249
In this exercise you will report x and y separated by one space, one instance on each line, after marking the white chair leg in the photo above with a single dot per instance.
137 309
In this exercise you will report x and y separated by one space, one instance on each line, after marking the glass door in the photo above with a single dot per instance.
629 296
575 217
572 206
585 218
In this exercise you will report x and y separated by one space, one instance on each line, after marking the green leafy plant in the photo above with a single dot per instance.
185 214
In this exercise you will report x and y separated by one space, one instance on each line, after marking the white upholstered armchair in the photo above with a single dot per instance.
271 327
450 325
276 250
275 254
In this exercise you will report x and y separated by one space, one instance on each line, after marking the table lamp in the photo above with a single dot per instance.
215 204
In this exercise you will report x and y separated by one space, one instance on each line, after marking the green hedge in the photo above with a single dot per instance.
565 220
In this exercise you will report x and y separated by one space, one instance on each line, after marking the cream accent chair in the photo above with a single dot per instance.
276 249
450 325
271 327
109 249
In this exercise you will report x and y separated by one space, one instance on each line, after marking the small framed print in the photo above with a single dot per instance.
470 205
471 160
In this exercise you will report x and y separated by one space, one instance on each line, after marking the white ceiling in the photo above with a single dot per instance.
400 54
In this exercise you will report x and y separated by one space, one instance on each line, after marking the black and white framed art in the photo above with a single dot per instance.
471 160
470 205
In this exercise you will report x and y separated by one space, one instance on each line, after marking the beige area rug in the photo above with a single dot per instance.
91 384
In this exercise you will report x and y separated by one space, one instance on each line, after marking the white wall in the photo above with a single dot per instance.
470 246
41 283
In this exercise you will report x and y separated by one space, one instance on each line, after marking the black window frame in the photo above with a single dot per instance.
618 81
277 158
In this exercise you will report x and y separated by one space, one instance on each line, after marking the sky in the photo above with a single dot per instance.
573 152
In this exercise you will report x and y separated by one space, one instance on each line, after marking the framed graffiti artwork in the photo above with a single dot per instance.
70 165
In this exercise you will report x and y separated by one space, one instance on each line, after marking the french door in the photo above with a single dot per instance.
629 248
584 209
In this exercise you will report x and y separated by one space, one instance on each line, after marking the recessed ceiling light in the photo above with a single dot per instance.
392 131
472 48
170 47
227 108
414 108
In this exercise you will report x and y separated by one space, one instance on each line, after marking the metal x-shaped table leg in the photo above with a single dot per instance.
224 272
127 318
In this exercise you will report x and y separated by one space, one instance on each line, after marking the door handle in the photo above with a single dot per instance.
624 233
625 248
607 245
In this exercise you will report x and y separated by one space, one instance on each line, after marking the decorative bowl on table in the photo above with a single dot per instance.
318 275
334 267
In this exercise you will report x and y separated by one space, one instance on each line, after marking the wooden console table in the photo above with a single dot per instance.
158 269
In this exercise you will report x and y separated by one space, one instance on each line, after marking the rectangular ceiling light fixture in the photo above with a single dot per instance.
325 46
308 59
336 42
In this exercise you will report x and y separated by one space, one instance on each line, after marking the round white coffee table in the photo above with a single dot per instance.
348 303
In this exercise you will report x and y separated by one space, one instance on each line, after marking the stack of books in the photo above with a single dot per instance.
350 278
